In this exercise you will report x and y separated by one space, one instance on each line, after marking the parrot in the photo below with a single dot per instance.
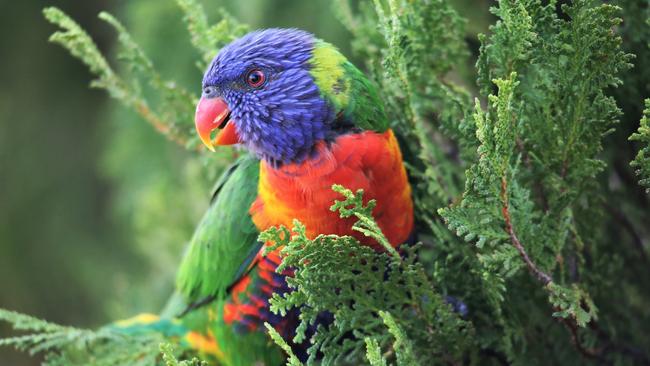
307 118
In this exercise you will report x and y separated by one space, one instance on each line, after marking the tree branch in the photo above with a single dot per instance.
570 323
541 276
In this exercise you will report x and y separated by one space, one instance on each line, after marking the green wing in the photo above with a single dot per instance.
225 242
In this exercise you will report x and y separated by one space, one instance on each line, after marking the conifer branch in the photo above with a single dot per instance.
373 353
353 205
167 353
642 160
594 353
544 278
372 285
171 117
75 39
540 275
277 338
208 38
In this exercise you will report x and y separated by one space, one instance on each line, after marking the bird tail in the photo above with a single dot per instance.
147 323
167 323
172 328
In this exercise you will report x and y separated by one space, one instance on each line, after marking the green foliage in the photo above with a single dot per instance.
376 290
404 353
174 113
167 352
71 346
572 303
539 139
411 67
642 160
208 38
531 201
47 335
373 353
353 206
292 359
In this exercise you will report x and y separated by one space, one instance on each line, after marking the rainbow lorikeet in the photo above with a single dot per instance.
309 119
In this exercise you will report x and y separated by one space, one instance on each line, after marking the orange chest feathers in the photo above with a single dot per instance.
370 161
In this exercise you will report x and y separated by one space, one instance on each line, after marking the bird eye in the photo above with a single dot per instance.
209 91
255 78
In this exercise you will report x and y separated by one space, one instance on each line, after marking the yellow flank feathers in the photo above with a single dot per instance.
141 319
281 212
205 344
329 74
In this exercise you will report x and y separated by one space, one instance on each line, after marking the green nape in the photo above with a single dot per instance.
350 92
225 242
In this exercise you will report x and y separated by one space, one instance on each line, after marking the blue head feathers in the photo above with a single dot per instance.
265 79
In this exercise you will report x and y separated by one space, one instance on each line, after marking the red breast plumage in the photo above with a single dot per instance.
368 160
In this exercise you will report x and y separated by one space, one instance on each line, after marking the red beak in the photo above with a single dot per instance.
213 114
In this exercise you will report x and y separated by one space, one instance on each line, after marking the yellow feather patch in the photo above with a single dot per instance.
205 344
143 319
329 74
280 211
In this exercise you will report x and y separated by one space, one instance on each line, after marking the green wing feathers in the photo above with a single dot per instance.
225 242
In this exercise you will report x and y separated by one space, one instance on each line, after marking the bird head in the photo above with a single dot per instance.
281 91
